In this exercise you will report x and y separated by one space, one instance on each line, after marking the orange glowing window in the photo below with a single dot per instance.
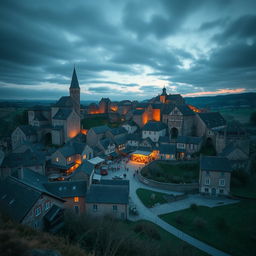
84 156
69 159
76 199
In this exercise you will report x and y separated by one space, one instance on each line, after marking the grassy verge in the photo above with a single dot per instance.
149 198
172 173
248 190
231 228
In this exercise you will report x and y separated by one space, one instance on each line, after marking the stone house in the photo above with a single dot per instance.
130 126
107 145
133 140
167 151
215 175
153 130
108 199
96 133
22 134
72 192
26 204
188 145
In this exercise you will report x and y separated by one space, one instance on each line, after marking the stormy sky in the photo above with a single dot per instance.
126 49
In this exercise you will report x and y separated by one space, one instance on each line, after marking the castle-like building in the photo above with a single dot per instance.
57 124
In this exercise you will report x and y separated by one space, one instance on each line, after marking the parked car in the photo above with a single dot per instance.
104 171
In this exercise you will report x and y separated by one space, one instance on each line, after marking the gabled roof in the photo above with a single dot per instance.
189 140
118 131
67 188
230 148
174 97
215 163
167 149
130 123
108 194
64 102
212 119
74 82
164 139
134 137
100 129
70 149
86 167
168 108
105 143
120 140
62 114
28 130
154 126
39 116
185 110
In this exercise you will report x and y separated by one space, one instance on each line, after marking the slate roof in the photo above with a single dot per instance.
74 82
85 167
105 143
100 129
154 126
134 136
118 131
168 108
120 140
62 114
65 189
72 149
189 140
215 163
28 130
17 198
167 149
27 158
174 97
185 110
229 149
212 119
39 116
164 139
130 123
65 102
108 194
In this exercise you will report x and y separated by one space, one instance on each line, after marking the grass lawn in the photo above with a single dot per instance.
231 228
167 243
172 173
240 114
88 123
145 195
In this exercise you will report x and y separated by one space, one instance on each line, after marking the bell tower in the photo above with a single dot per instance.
74 91
163 95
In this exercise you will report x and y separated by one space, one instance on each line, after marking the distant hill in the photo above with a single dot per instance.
220 101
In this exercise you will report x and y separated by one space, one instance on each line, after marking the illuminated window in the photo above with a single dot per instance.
84 156
57 159
76 199
69 159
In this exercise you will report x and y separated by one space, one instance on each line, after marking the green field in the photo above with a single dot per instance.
88 123
149 198
240 114
248 190
172 173
231 228
167 243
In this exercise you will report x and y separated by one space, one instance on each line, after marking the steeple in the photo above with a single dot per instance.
164 92
74 82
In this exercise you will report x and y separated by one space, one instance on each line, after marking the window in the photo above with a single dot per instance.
76 199
69 159
207 181
95 207
38 211
84 156
57 159
47 205
221 182
221 191
114 208
206 190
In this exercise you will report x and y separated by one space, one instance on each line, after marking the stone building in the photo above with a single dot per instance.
215 175
153 130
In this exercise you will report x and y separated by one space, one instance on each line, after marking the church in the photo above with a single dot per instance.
56 124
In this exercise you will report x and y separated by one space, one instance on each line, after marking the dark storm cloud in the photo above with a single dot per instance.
40 41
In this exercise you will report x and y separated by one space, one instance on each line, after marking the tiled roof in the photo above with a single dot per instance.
154 126
28 129
120 140
168 108
66 188
39 116
185 110
64 102
70 149
212 119
167 149
215 163
114 194
62 114
85 167
106 142
100 129
164 139
118 131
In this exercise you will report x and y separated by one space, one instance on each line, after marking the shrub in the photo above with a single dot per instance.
193 207
199 222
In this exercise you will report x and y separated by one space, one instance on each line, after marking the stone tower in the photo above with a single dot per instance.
163 96
74 92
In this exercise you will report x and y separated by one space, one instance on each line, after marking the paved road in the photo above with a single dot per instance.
152 214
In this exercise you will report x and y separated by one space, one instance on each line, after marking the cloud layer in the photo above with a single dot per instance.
126 49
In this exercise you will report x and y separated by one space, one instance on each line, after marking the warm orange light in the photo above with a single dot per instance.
145 118
139 108
72 134
195 109
162 99
93 112
114 108
156 115
84 131
76 199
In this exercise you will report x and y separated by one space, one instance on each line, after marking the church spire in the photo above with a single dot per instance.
74 82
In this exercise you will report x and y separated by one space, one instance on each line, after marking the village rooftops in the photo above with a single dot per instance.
28 130
189 140
70 149
215 163
100 129
154 126
65 189
141 152
86 167
167 149
212 119
118 131
64 102
109 194
96 160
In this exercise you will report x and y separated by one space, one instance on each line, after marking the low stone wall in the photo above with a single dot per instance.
185 188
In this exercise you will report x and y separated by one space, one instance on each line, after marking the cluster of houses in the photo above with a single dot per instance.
39 181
